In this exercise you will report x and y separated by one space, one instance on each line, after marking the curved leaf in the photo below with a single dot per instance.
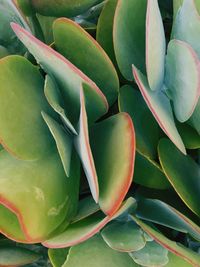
190 136
155 46
194 121
160 107
58 256
182 78
74 43
183 173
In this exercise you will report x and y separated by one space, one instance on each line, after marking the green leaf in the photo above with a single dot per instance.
160 107
179 250
68 78
124 236
166 215
114 156
155 46
148 173
182 78
129 36
63 141
183 173
68 8
38 193
23 131
58 256
146 128
95 252
178 3
194 121
82 145
16 256
190 136
3 51
151 255
175 261
74 43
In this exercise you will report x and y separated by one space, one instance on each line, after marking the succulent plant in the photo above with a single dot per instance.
99 130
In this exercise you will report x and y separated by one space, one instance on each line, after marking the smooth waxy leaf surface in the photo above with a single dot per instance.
67 76
38 193
124 236
190 136
82 144
102 255
155 46
175 261
151 255
23 131
194 121
183 173
58 256
114 156
181 251
146 128
129 45
54 99
73 42
63 141
84 229
68 8
182 78
148 173
166 215
16 256
160 107
3 51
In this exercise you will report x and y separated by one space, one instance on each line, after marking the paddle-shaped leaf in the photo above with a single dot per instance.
63 141
16 256
194 121
124 236
82 144
95 252
151 255
84 229
183 173
181 251
58 256
23 131
160 107
190 136
114 156
155 46
182 78
38 193
166 215
67 76
129 36
74 43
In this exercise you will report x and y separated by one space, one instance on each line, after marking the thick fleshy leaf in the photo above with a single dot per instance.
166 215
63 141
155 46
95 252
146 128
16 256
129 36
190 136
84 229
58 256
67 76
151 255
38 193
82 144
194 121
3 51
175 261
116 140
182 78
187 25
179 250
68 8
148 173
74 43
124 236
104 33
23 131
10 13
54 99
160 107
183 173
26 7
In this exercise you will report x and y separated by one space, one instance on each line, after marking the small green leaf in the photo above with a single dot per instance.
183 173
151 255
175 261
194 121
58 256
190 136
124 236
